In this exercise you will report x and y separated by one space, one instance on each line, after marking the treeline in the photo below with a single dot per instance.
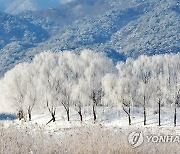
91 79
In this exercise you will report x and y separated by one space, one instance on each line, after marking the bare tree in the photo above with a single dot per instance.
177 99
31 96
65 92
50 90
79 110
52 111
77 99
159 91
159 108
145 79
96 98
127 109
66 103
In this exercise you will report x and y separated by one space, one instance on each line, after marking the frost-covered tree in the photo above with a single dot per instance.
48 82
110 90
15 88
97 66
127 87
67 71
31 97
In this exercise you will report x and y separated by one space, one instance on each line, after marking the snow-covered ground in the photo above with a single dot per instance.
106 117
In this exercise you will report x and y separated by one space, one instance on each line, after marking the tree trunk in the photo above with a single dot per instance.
53 113
20 114
129 115
94 112
53 117
128 112
80 114
67 112
29 114
159 112
144 110
175 115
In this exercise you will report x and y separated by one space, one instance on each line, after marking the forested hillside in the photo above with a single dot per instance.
120 29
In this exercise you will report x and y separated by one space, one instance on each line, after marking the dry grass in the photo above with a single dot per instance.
88 140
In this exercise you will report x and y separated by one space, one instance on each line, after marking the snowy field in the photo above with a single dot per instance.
109 134
106 117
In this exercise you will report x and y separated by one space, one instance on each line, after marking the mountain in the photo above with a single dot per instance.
156 32
13 29
4 4
119 28
18 6
146 28
17 35
67 13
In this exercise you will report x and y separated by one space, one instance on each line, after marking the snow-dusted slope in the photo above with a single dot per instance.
119 28
4 4
18 6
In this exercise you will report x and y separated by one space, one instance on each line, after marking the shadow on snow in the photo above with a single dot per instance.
6 116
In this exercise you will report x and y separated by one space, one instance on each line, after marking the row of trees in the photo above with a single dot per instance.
146 82
57 79
91 79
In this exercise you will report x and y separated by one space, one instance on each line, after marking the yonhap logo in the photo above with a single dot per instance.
135 139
